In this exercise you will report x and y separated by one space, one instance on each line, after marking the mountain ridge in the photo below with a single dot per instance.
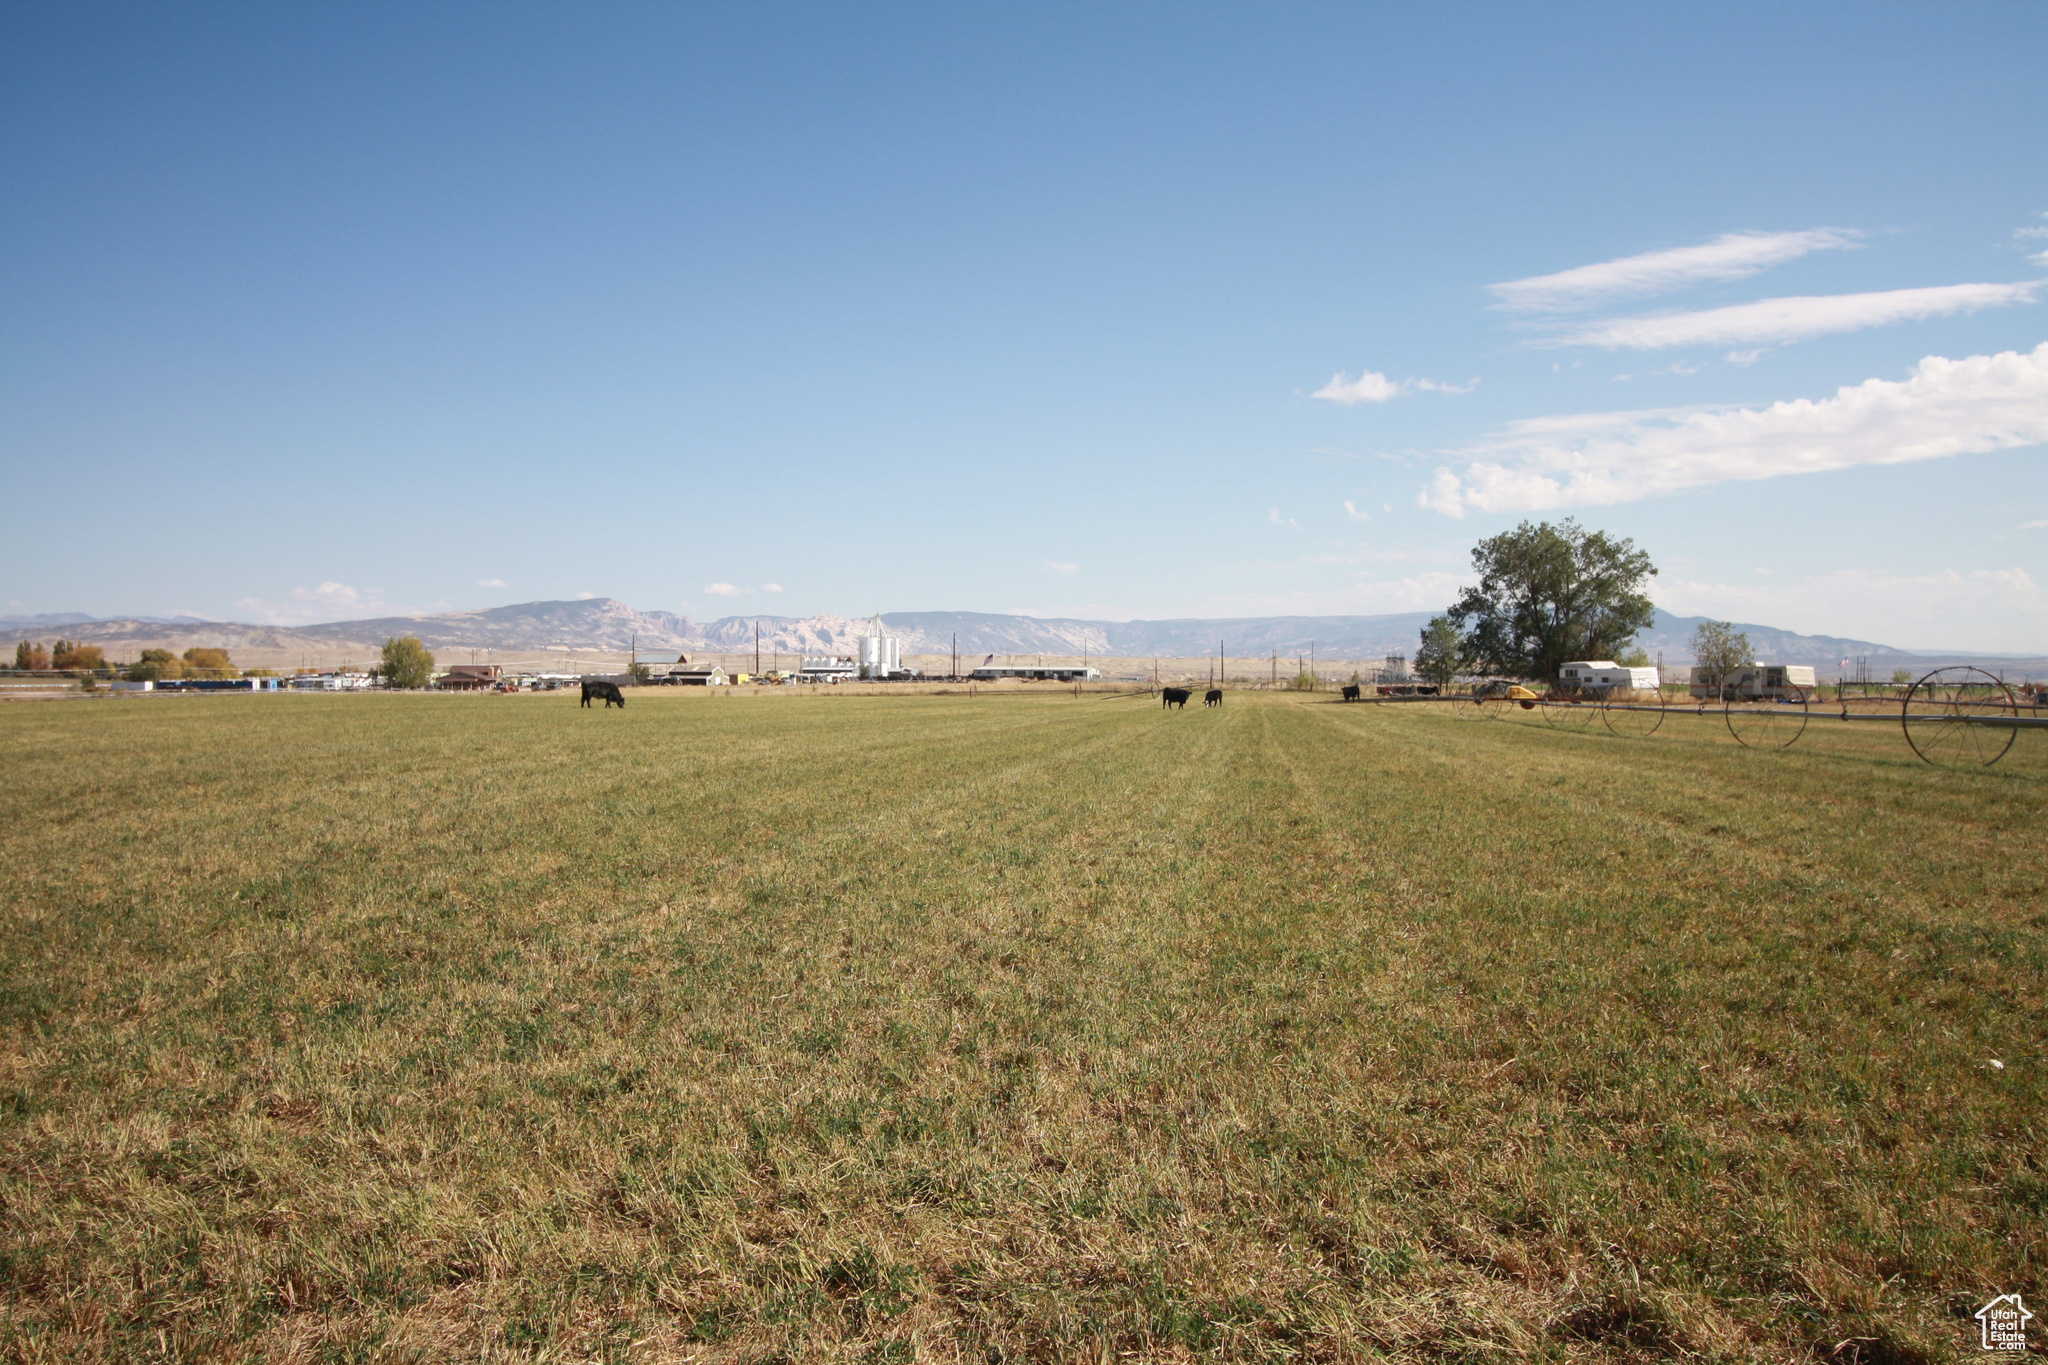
606 625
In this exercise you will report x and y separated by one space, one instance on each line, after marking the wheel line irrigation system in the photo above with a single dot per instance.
1956 717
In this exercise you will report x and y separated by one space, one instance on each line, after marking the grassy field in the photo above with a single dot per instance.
1005 1028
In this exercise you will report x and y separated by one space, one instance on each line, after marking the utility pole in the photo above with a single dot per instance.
956 656
1221 680
757 649
1311 665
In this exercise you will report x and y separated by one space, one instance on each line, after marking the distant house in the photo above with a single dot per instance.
469 678
695 676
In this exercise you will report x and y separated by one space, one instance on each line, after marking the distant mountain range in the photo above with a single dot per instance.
605 626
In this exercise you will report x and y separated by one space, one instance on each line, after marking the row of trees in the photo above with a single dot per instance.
1547 594
406 662
157 664
65 654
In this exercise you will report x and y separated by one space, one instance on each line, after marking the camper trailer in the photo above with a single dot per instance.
1756 682
1600 677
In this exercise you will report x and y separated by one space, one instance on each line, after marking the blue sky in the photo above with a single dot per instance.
321 312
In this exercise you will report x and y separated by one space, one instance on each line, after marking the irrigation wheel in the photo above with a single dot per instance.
1573 712
1767 722
1630 717
1938 712
1490 701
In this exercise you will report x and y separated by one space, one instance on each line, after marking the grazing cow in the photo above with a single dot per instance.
1351 691
1213 697
606 692
1174 696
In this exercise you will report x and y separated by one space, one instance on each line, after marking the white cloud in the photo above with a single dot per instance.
585 596
1732 256
2000 610
1059 566
1369 387
1374 387
2024 526
1775 321
1289 522
721 590
1947 407
490 582
771 587
1351 511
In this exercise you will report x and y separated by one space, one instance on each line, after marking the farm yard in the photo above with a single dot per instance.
1007 1028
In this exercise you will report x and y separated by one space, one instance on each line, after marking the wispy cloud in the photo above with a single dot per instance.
1947 407
490 582
771 587
2034 525
1775 321
1732 256
2039 257
331 601
586 596
1060 566
1289 522
1351 511
1374 387
721 590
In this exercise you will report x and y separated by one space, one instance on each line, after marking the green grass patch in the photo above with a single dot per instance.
1013 1028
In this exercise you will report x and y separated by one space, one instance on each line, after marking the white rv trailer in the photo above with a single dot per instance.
1777 682
1601 676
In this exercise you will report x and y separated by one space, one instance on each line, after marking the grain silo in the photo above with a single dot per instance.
880 655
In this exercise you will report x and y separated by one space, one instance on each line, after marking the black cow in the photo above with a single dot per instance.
1213 697
1174 696
1351 691
606 692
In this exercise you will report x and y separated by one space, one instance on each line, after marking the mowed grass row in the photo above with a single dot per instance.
1020 1028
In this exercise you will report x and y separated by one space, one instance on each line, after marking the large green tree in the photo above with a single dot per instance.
1551 593
406 663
